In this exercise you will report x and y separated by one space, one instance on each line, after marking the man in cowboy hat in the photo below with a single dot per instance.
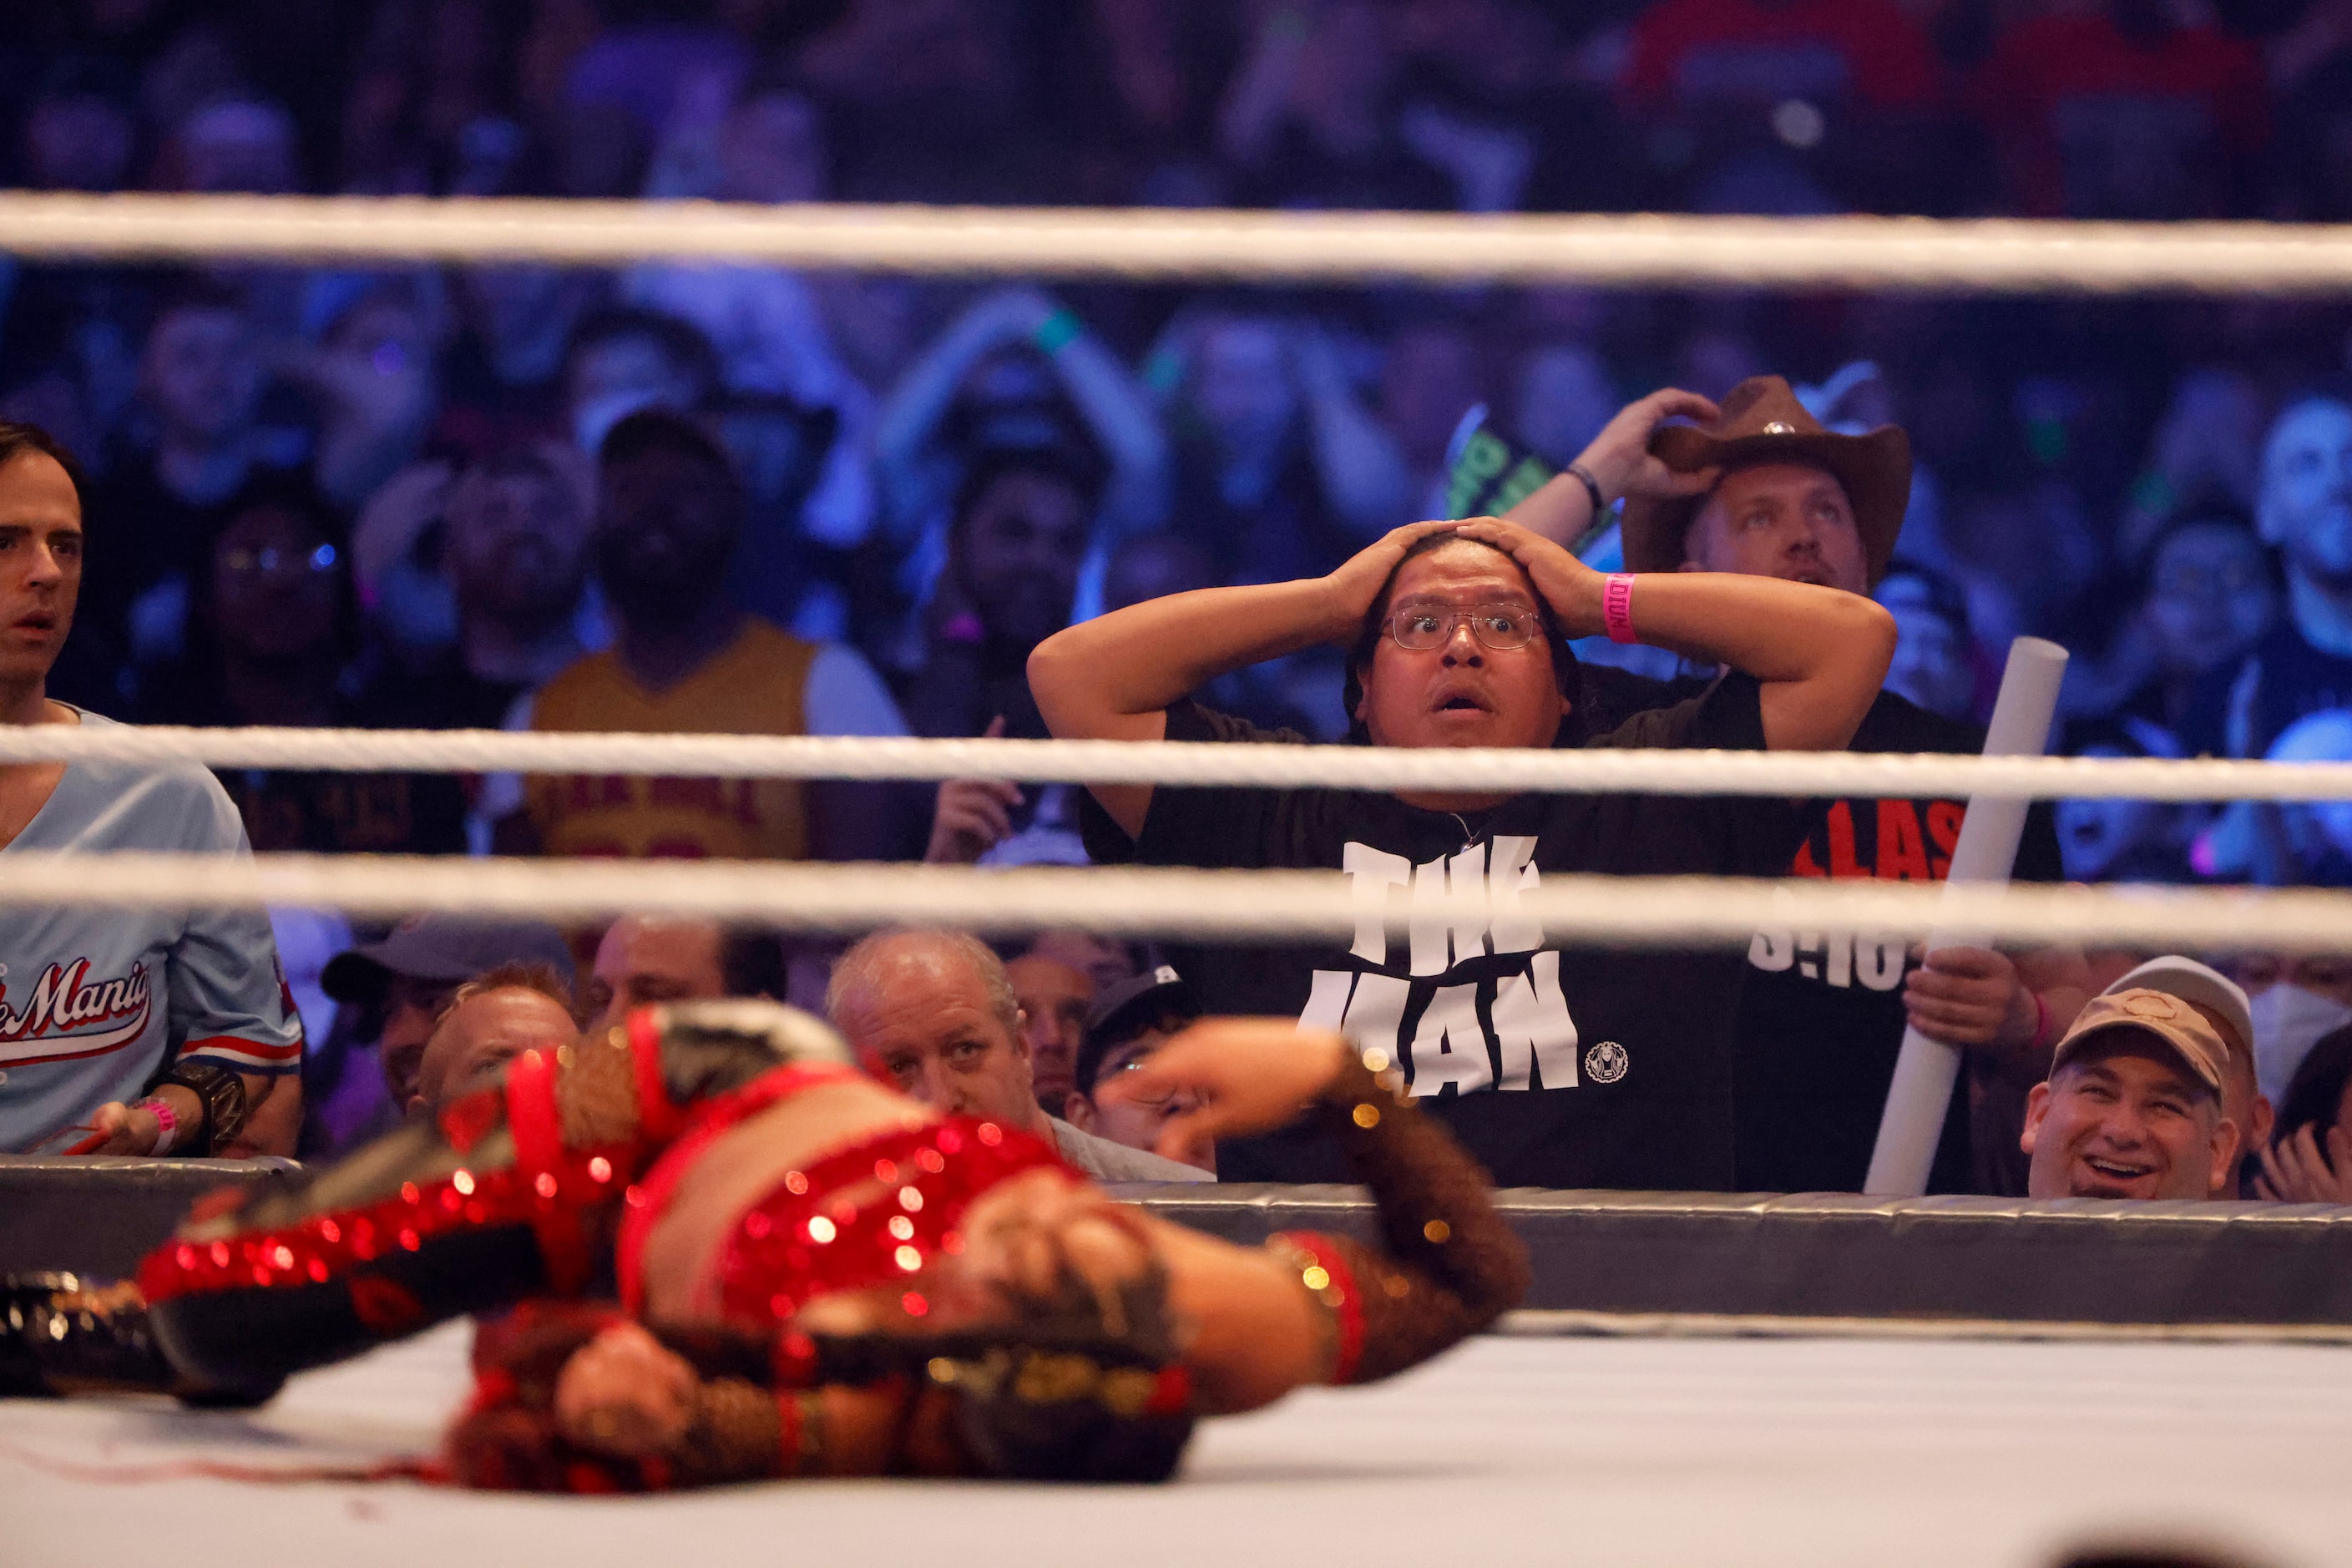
1822 1013
1793 500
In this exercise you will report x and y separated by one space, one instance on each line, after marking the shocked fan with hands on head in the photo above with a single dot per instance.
1557 1067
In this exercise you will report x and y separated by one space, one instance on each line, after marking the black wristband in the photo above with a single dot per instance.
221 1093
1592 488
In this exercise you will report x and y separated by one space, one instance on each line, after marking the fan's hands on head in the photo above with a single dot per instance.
1356 586
1619 458
1571 588
1249 1076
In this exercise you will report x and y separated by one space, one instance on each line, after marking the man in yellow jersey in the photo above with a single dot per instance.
686 659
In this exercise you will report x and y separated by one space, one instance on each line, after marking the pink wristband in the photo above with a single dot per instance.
1617 607
167 1122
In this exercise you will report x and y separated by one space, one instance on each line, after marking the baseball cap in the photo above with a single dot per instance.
1125 1009
442 948
2194 982
2157 1012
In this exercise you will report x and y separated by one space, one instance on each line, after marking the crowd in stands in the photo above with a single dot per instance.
728 498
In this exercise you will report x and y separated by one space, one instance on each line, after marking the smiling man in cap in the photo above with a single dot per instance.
2133 1106
2222 1004
1821 1013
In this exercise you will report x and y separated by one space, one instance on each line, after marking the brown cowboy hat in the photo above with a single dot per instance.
1762 422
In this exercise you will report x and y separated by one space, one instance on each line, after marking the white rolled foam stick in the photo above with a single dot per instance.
1927 1071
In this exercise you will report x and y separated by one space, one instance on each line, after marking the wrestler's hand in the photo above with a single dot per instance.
624 1394
1250 1075
1026 1236
1356 586
1571 588
1619 458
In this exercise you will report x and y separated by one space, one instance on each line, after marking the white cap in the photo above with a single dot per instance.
2200 983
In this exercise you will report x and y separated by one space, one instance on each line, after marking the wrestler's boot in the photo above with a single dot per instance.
514 1191
62 1335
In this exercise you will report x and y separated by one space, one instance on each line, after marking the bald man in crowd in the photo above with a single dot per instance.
933 1014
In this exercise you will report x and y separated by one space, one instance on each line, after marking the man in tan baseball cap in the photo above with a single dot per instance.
2133 1106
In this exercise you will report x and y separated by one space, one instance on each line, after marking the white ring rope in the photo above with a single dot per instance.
1228 906
2009 256
1387 768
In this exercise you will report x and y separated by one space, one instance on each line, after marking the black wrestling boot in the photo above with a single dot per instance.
61 1335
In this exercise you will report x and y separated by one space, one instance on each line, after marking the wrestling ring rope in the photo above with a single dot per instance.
1264 906
1176 762
1713 1378
1214 906
1984 256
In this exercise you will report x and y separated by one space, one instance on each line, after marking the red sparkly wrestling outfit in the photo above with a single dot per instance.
860 1216
548 1187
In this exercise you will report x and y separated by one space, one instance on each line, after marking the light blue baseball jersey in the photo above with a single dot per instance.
95 1002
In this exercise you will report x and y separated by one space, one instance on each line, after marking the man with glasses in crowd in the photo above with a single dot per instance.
1129 1022
1557 1066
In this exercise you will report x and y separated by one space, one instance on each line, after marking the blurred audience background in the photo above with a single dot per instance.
725 496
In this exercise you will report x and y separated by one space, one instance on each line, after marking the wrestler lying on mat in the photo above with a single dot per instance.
815 1275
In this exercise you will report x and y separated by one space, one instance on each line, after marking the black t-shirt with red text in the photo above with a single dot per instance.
1822 1016
1555 1068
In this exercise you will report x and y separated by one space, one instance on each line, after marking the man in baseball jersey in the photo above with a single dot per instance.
122 1031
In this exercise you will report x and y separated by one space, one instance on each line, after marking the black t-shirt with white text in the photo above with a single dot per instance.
1822 1017
1555 1068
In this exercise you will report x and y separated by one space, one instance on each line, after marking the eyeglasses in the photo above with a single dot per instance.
1133 1064
1417 628
269 557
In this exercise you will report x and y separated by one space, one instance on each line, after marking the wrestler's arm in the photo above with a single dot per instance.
579 1397
1447 1266
1820 654
1113 677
